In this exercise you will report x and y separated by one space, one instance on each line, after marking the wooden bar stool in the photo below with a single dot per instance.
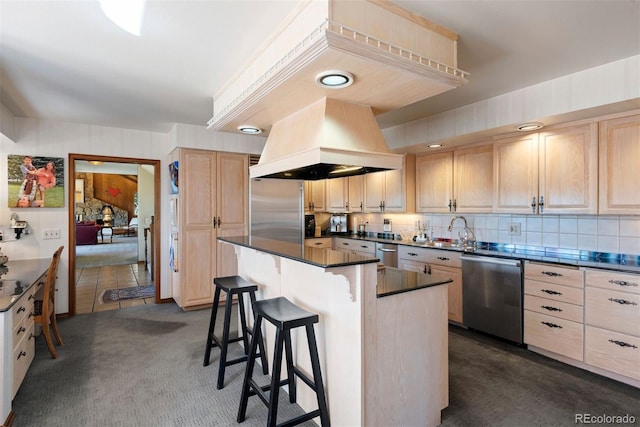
231 285
284 315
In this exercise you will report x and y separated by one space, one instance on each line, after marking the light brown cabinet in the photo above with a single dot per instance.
337 194
212 202
446 263
393 190
612 319
553 309
554 171
356 193
358 247
457 181
619 147
315 194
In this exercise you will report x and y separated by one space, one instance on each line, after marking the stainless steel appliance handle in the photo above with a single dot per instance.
386 250
501 261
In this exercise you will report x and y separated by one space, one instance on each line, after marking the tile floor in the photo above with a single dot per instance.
92 281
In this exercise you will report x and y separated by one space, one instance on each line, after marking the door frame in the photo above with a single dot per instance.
72 218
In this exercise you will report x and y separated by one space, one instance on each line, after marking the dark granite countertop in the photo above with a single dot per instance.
576 257
392 281
319 257
17 277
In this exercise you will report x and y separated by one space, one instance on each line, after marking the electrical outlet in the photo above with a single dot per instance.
514 229
51 233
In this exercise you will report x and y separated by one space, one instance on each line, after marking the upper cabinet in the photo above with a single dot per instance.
458 181
315 196
619 166
554 171
338 194
393 190
356 193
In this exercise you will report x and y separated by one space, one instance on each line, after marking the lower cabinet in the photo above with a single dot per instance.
425 260
359 247
612 318
553 309
319 242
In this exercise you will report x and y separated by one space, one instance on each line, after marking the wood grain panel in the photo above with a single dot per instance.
197 185
568 276
612 351
572 312
473 179
434 182
613 280
619 149
617 311
515 173
551 333
554 292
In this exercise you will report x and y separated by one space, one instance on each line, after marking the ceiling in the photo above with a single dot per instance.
64 60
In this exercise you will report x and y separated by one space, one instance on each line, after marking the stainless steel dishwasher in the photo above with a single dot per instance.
387 253
492 296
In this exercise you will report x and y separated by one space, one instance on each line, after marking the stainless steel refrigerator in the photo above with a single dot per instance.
276 209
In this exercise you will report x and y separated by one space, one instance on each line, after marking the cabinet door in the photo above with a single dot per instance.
198 188
232 190
314 195
199 256
434 182
515 173
337 194
373 191
473 179
455 290
619 171
356 193
394 191
568 174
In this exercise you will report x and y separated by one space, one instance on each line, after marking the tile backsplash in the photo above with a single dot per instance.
615 234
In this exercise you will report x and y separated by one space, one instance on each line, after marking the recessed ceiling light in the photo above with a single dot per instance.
334 79
252 130
527 127
434 145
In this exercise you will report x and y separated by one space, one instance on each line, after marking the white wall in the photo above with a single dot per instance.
50 138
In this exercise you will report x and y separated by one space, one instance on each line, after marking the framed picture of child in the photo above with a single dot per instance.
35 181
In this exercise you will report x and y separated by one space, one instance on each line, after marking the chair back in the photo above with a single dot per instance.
49 295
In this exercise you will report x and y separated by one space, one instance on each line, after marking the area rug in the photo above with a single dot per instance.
104 254
134 292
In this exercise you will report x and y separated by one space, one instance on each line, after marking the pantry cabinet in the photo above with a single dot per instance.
458 181
554 171
212 202
619 162
393 190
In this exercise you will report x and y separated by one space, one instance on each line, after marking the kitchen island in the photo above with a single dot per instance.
382 335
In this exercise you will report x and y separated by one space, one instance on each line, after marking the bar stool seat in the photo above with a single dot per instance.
284 315
231 285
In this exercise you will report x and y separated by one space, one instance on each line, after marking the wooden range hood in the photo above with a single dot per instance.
397 58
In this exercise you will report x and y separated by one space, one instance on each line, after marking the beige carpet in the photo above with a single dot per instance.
123 250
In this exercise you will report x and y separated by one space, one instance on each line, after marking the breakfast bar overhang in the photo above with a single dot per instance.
382 335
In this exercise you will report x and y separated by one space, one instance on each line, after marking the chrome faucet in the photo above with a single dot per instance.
467 237
454 219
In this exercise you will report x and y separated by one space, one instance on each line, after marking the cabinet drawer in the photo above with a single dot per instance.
550 273
557 335
431 256
554 308
318 243
21 329
618 311
355 245
554 292
23 307
23 354
615 352
615 281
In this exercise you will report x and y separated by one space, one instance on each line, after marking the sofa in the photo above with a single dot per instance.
87 233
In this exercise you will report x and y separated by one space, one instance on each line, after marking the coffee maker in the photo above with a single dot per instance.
339 223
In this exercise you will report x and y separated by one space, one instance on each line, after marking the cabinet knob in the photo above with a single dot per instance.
623 301
533 204
623 344
622 283
541 204
551 325
547 291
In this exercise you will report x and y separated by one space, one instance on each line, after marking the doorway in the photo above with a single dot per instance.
151 226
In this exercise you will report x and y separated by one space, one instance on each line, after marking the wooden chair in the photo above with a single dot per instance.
45 310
